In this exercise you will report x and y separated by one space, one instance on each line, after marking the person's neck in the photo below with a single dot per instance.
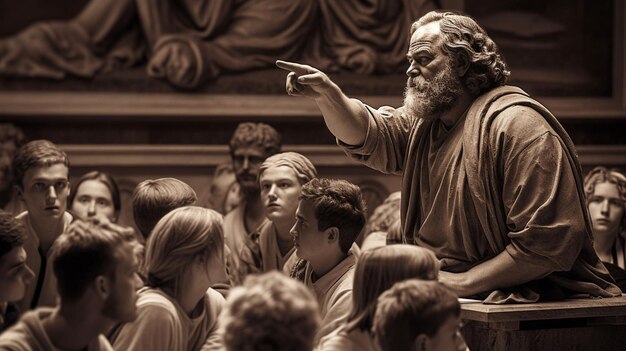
450 117
47 230
189 297
284 238
603 244
324 266
253 212
73 327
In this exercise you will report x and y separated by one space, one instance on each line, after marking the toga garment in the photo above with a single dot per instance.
504 177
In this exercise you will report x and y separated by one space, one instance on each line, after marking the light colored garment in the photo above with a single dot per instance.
44 282
334 294
243 255
29 335
374 240
271 257
343 340
504 177
161 324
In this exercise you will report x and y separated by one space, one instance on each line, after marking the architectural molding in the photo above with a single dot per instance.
212 155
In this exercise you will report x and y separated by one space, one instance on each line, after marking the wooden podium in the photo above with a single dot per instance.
581 324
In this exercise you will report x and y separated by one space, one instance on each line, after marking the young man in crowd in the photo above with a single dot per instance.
96 270
329 218
249 146
154 198
42 177
11 139
418 315
281 177
15 275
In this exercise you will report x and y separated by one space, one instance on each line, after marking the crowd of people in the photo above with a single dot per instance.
292 261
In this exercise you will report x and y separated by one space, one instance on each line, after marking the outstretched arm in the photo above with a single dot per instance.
344 117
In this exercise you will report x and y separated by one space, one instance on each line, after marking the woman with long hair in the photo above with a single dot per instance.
177 309
605 190
95 194
376 271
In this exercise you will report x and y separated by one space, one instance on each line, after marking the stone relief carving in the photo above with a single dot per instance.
191 42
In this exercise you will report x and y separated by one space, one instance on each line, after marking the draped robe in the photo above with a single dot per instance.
504 177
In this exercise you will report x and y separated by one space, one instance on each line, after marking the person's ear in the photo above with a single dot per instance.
422 343
332 234
462 65
102 287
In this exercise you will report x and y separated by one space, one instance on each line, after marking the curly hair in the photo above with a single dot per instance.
9 132
605 175
466 41
37 153
337 203
256 134
12 233
384 215
270 312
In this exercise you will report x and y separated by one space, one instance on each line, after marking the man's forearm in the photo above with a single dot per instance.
346 119
496 273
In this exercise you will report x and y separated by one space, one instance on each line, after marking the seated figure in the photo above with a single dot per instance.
281 177
95 265
605 190
177 309
330 216
376 271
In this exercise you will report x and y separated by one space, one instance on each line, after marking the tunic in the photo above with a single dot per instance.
271 257
343 340
161 324
29 335
42 291
334 294
242 256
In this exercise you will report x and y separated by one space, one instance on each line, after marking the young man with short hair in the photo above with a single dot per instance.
42 178
14 273
418 315
249 146
329 218
96 270
154 198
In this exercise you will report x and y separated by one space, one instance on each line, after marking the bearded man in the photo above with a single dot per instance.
491 181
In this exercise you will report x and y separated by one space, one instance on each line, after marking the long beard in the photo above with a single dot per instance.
429 100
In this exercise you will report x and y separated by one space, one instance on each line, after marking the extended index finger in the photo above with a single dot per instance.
299 68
